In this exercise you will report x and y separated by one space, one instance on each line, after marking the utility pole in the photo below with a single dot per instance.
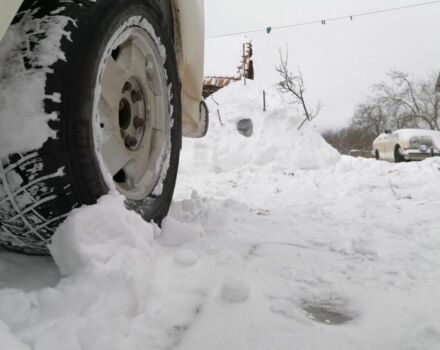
244 63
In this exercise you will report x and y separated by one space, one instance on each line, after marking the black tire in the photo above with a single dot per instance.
377 155
398 157
65 172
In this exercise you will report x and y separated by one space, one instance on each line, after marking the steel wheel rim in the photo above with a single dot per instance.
133 114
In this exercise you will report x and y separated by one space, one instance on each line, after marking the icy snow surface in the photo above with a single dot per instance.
273 242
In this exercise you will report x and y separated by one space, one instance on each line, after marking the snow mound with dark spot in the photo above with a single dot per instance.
275 143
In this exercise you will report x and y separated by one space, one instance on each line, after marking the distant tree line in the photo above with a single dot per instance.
400 102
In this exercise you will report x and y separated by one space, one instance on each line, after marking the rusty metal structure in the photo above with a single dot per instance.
245 70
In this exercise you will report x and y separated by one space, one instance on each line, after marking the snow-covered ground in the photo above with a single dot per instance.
273 242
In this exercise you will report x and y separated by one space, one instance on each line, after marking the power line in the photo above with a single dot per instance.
325 21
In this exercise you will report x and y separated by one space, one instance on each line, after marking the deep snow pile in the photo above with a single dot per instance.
276 143
104 253
280 251
345 257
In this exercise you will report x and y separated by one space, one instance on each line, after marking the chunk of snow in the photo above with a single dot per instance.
83 242
186 257
234 290
176 233
9 341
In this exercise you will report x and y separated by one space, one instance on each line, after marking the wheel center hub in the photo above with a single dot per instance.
132 114
124 114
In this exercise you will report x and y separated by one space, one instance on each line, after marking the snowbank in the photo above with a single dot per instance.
276 144
275 249
104 251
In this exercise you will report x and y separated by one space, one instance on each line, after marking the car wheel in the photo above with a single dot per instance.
398 155
118 124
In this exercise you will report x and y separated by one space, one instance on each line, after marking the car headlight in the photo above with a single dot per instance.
423 148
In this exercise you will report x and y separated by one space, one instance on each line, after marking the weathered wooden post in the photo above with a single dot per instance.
264 101
244 63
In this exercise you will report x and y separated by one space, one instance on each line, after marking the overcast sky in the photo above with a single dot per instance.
340 60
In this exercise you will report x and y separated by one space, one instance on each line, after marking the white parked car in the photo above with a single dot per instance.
407 144
95 96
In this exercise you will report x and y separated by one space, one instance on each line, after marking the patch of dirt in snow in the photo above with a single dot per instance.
331 312
257 253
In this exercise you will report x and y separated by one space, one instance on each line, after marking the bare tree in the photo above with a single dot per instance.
293 84
417 102
350 138
370 117
400 102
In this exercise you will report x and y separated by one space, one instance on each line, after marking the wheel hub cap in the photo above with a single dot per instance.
133 114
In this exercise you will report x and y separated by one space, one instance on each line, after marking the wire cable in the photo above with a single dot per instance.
325 21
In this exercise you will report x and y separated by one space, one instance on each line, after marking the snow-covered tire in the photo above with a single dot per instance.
398 156
39 187
377 155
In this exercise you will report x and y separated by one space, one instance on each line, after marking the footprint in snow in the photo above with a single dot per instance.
331 311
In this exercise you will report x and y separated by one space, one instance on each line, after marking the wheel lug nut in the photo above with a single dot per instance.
127 87
138 122
149 71
136 96
149 67
130 141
